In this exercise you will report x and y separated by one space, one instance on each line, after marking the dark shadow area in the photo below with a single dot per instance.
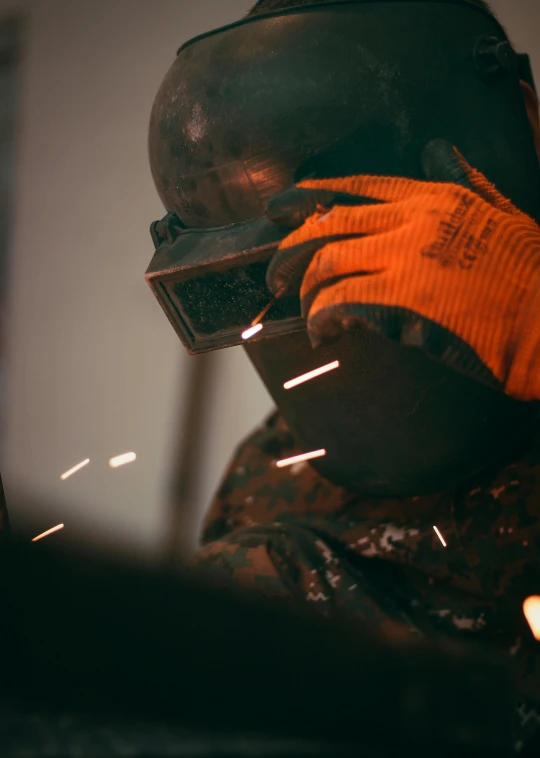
98 656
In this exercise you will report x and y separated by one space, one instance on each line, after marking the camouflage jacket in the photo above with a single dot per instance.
290 533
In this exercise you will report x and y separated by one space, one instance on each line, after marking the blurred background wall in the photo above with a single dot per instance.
92 368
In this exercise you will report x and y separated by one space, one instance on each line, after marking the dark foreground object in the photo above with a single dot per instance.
106 660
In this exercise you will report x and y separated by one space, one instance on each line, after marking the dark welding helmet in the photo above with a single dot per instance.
326 90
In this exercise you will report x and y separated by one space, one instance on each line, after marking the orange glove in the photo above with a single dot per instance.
435 265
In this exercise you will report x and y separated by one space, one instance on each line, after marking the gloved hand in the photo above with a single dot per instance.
448 265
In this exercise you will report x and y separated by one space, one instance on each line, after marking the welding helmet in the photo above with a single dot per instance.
326 90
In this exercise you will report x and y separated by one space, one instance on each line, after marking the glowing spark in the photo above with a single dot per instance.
76 468
121 460
310 375
299 458
251 331
49 531
264 311
267 307
531 609
439 535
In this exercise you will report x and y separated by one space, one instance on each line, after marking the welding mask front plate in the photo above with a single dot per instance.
211 283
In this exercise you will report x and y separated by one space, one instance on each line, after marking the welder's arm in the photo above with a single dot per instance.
243 559
447 265
289 563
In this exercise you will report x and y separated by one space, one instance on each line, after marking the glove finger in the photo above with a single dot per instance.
440 163
355 256
288 266
443 162
353 304
292 207
374 219
333 313
294 256
382 188
483 187
315 251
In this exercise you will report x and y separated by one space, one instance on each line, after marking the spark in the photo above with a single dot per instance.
49 531
531 609
439 535
264 311
121 460
76 468
267 307
251 331
299 458
310 375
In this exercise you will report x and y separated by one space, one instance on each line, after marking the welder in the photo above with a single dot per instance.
371 171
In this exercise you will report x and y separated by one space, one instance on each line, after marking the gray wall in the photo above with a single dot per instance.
94 367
